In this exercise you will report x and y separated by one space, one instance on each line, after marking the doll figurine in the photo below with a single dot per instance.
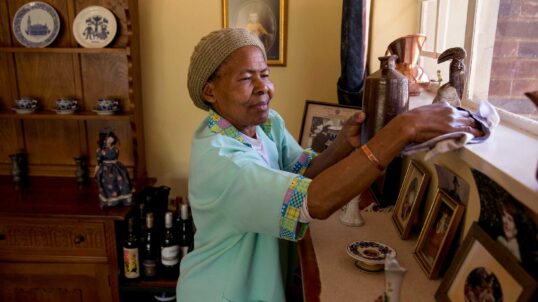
112 177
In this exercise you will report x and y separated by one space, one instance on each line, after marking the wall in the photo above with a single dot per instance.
515 56
169 30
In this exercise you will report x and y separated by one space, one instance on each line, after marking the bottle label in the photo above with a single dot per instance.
131 263
170 255
150 268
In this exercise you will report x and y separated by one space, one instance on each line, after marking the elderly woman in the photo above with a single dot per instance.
251 184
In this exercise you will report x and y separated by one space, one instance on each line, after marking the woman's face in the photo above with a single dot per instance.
509 226
241 90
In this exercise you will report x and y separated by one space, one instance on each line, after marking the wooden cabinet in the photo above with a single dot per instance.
56 244
64 69
55 241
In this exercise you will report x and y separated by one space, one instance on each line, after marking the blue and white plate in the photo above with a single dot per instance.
36 24
369 255
94 27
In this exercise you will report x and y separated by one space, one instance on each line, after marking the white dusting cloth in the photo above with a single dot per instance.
487 117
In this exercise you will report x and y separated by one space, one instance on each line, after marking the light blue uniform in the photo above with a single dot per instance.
241 206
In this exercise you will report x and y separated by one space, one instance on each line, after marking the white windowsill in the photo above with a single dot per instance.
509 157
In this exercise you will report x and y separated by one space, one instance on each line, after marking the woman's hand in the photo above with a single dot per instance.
426 122
351 131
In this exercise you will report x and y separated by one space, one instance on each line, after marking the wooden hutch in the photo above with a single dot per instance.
56 244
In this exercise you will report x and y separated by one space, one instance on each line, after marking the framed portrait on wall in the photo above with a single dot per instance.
266 18
482 271
453 184
322 122
408 203
436 236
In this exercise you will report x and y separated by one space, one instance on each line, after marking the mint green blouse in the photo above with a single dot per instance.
241 207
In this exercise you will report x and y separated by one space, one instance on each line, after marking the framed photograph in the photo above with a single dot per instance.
266 18
408 203
508 222
322 122
451 183
436 236
483 271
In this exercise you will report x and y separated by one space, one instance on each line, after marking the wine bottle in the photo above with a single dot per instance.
185 230
149 248
169 249
130 253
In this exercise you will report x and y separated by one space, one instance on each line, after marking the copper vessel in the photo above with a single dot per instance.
408 49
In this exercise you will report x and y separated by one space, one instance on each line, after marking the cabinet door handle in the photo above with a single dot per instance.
79 239
2 237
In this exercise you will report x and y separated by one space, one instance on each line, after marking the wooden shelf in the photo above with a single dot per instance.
51 115
126 51
157 285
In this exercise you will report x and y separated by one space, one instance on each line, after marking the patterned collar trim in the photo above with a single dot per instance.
218 124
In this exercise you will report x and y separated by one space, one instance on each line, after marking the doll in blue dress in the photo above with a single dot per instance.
111 175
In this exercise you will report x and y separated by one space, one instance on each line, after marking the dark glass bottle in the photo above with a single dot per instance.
149 249
131 259
169 249
186 242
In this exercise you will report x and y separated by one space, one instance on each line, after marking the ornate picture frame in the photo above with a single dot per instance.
266 18
321 123
436 236
407 205
483 268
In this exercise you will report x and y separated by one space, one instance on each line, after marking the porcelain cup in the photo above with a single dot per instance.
25 103
66 104
107 105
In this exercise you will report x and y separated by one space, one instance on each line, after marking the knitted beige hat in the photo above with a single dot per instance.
209 54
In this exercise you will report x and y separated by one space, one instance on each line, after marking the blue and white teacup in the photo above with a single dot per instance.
107 105
25 103
66 104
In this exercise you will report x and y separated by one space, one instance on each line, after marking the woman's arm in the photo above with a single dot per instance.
336 179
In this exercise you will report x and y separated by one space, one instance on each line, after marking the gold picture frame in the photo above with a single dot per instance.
485 269
436 236
266 18
409 199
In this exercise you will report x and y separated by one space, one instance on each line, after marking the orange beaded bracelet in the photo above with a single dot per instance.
372 158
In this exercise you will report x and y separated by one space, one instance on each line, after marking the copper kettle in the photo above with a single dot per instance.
408 48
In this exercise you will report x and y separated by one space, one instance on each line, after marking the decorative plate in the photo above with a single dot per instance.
94 27
36 24
105 112
24 111
369 255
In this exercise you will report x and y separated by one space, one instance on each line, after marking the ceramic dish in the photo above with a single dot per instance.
36 24
94 27
369 255
24 111
105 112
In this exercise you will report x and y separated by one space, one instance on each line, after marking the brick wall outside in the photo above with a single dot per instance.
515 56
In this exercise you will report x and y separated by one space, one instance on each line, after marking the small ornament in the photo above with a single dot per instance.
351 214
394 274
81 171
19 167
111 175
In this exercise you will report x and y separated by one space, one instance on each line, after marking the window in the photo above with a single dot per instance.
501 40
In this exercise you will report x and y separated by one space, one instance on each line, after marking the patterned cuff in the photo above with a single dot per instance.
290 227
304 161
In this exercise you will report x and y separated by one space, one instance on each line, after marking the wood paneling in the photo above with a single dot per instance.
46 77
51 141
98 72
9 142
